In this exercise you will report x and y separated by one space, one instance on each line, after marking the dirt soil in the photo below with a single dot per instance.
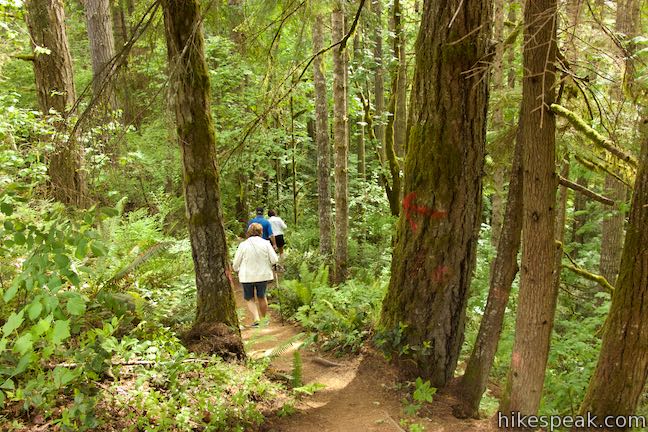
361 394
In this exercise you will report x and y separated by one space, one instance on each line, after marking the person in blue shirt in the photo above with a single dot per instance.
267 228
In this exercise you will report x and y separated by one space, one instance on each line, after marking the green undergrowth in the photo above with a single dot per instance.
341 318
92 303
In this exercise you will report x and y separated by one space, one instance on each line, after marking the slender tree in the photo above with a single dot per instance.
55 91
537 297
341 139
322 138
505 267
195 129
437 231
620 375
379 73
102 50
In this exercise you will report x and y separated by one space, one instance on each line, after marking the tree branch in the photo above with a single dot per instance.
582 189
598 139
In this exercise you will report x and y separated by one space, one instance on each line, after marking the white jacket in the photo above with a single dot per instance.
254 259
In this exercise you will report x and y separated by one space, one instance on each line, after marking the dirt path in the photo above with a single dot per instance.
361 392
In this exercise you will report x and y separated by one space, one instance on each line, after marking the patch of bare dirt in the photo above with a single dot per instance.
361 392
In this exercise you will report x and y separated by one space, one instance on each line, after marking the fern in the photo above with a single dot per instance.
139 260
284 346
297 369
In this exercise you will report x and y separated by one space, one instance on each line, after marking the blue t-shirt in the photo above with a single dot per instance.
267 229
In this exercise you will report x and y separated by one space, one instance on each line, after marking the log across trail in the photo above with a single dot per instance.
361 392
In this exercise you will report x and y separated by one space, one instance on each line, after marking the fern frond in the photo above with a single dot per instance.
139 260
284 346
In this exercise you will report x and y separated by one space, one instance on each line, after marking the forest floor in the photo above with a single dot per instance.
361 392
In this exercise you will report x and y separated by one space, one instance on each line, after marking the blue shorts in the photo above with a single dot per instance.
248 289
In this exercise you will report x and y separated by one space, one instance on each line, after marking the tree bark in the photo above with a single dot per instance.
498 121
620 375
437 232
399 83
537 298
195 129
341 140
505 267
379 75
323 144
102 51
55 91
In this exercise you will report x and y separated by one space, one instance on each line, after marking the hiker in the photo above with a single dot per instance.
278 227
267 228
253 261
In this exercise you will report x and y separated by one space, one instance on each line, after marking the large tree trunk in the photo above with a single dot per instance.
437 232
340 132
102 51
55 91
190 80
323 144
537 298
505 267
620 375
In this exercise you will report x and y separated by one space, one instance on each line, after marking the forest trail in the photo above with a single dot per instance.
360 392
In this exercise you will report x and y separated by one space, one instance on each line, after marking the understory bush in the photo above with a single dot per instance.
342 317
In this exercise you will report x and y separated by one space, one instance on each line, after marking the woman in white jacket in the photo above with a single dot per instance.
253 261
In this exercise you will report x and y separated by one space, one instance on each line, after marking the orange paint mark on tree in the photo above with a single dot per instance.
411 209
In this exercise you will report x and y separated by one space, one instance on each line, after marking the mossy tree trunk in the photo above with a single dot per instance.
437 232
537 297
505 267
55 91
620 375
195 129
341 139
322 140
612 230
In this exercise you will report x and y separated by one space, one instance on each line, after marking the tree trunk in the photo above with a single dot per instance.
379 76
505 267
437 232
399 83
185 46
341 146
612 230
537 298
620 375
498 121
102 51
55 91
323 145
580 216
561 219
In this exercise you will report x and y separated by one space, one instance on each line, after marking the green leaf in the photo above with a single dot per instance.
76 305
13 322
81 249
23 344
19 238
8 384
8 225
42 326
63 376
62 261
34 310
23 363
11 292
61 331
6 208
98 249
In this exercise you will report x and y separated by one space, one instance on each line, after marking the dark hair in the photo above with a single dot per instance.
271 213
259 210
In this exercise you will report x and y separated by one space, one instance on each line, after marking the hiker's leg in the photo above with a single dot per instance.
261 297
248 295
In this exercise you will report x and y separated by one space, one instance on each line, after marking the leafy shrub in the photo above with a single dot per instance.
342 317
